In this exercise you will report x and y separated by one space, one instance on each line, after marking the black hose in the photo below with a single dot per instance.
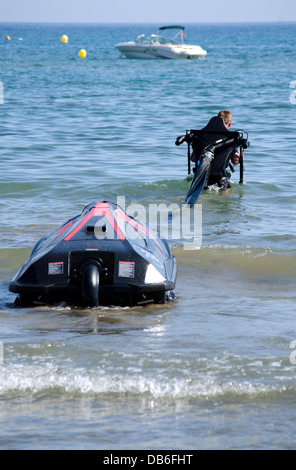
90 279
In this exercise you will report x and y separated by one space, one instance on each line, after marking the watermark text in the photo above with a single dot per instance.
1 353
293 353
1 93
293 93
173 222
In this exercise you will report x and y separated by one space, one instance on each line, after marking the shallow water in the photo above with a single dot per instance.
213 369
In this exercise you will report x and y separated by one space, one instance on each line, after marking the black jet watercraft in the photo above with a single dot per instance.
213 147
100 257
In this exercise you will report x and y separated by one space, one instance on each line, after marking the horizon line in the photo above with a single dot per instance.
146 22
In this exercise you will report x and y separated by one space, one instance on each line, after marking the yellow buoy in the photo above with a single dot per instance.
64 39
82 53
8 38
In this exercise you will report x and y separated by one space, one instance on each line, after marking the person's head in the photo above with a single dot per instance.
227 118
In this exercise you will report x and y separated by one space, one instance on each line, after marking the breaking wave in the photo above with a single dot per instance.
52 380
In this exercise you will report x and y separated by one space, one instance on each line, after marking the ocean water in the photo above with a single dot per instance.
215 369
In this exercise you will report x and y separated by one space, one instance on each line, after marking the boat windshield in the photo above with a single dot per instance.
163 39
155 38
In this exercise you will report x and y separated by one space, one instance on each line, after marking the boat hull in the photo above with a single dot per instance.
133 50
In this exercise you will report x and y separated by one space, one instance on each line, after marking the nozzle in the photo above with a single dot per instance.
244 143
181 139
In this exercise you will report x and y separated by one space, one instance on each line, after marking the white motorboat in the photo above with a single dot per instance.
157 46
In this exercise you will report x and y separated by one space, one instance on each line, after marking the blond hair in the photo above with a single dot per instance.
225 115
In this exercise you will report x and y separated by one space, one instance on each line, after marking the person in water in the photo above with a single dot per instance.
222 178
227 118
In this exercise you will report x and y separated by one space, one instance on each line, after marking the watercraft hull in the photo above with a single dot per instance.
132 50
101 257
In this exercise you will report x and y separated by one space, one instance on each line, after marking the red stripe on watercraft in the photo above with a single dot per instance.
115 226
142 229
79 226
63 229
101 208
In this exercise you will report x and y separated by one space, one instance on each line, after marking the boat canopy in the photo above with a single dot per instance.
172 27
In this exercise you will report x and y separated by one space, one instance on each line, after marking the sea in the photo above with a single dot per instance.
215 368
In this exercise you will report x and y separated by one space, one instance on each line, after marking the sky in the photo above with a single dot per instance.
148 11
